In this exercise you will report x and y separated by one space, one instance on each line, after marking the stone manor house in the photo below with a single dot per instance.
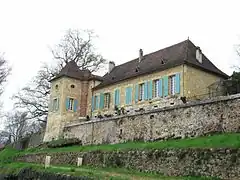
159 79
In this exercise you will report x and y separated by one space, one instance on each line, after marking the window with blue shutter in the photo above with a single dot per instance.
160 87
165 85
150 84
146 91
101 100
177 85
75 105
136 93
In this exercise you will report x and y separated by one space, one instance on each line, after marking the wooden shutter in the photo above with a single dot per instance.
136 93
75 105
101 101
130 95
116 97
126 95
160 87
150 85
67 103
146 90
165 85
177 85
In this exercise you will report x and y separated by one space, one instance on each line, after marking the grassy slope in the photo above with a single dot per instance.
97 173
216 141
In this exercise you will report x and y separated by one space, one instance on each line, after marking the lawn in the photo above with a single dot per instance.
230 140
96 173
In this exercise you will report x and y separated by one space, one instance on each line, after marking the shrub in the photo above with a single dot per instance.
64 143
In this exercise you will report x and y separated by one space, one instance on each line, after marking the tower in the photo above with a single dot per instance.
70 99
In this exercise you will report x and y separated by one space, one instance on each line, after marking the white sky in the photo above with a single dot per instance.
29 27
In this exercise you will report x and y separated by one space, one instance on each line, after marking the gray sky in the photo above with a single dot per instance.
29 28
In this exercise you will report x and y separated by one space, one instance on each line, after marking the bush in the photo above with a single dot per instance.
64 143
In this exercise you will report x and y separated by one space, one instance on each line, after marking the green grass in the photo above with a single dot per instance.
230 140
97 173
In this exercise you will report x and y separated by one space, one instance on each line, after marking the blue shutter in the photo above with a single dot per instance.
115 97
145 90
150 89
130 95
136 93
177 85
165 85
75 105
126 95
67 103
93 103
160 88
101 100
118 97
97 102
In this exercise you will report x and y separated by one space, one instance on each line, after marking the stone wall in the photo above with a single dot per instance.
28 173
187 120
223 163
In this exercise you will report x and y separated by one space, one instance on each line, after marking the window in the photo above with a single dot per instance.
155 88
172 82
141 91
55 104
106 100
70 103
72 86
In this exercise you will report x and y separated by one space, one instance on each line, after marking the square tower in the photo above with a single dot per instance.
69 99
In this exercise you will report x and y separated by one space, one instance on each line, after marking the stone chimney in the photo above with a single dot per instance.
111 65
140 55
199 54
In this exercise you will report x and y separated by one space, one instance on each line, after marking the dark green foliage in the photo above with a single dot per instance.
63 143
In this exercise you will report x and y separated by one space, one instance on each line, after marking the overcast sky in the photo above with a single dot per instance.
29 27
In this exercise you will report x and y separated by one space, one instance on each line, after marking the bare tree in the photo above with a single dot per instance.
17 125
4 72
75 46
78 46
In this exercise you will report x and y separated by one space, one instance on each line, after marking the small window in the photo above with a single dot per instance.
70 103
172 83
55 104
155 88
107 100
141 92
72 86
56 87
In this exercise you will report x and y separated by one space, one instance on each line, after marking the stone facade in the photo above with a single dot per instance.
178 121
193 84
62 89
222 163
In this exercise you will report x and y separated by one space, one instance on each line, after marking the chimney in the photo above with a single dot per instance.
111 65
199 54
140 55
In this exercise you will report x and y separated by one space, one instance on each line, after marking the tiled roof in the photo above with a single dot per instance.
175 55
72 70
